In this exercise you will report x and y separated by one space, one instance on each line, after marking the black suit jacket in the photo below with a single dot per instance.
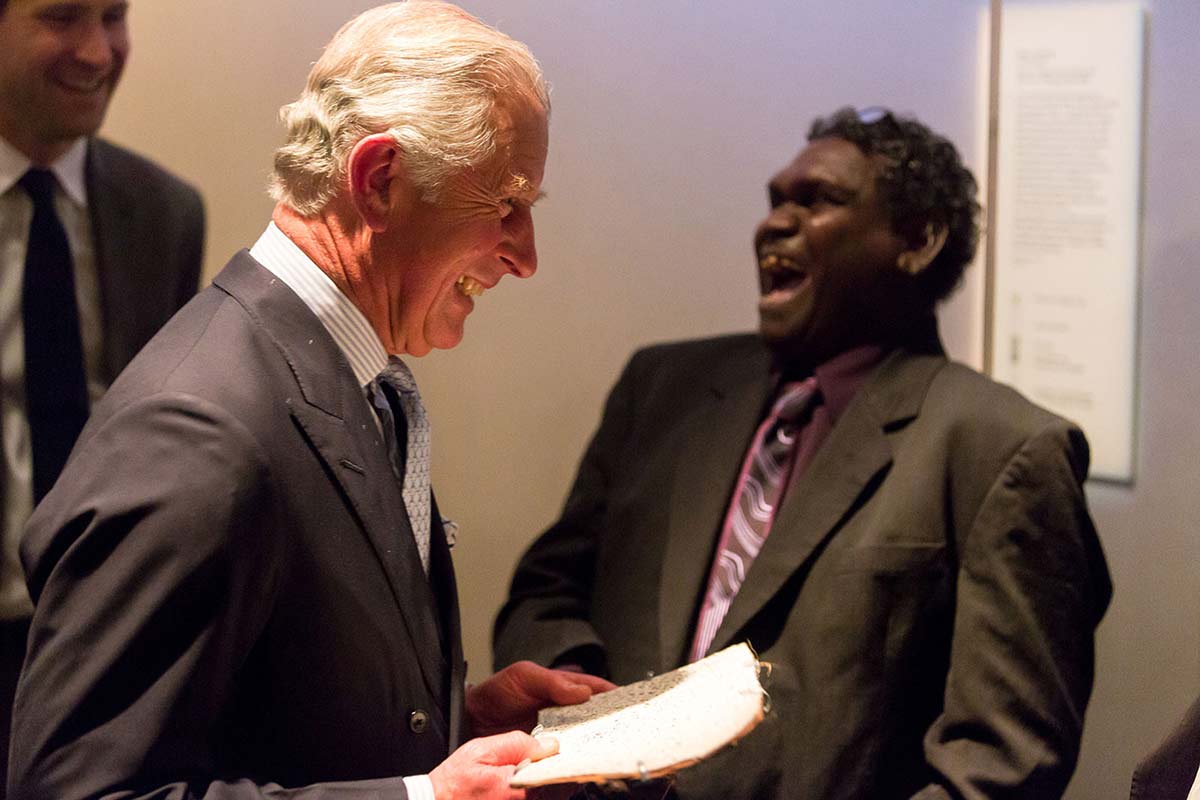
227 594
1169 772
926 598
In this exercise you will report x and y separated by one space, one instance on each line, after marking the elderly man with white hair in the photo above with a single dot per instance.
242 583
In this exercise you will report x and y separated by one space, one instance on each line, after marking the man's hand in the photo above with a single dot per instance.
482 768
510 699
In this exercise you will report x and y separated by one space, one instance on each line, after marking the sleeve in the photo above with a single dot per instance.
1032 586
419 787
153 564
546 616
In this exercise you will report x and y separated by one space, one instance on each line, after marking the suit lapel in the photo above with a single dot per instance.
339 427
712 442
844 472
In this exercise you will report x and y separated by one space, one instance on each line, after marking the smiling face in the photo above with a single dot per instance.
60 61
445 253
827 256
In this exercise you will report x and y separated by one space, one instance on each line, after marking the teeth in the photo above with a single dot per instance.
469 287
773 261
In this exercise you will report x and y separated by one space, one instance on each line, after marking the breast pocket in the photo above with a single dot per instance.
902 594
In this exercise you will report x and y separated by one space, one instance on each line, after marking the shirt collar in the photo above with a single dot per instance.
350 330
842 376
70 169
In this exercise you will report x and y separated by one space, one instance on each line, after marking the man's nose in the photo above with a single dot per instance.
96 46
782 220
519 250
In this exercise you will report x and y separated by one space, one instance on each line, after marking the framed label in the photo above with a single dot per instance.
1067 217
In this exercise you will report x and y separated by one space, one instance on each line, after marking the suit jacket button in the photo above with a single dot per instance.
418 721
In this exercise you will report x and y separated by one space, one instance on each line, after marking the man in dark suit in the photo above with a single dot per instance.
1172 770
241 582
134 237
903 540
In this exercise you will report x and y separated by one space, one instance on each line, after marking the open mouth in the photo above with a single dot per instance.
469 287
82 85
780 275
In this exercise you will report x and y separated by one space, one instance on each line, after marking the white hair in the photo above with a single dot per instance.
427 73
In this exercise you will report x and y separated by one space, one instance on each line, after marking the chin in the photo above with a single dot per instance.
444 340
777 332
789 348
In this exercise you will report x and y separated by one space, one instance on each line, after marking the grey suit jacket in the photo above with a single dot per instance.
926 598
228 598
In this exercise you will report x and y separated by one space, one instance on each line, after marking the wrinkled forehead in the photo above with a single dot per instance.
522 141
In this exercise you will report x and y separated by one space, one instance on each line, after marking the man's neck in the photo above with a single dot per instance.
42 154
918 333
328 240
344 248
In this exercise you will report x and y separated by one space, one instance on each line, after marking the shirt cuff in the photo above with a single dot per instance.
419 787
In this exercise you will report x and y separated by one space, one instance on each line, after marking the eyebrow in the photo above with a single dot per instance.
520 185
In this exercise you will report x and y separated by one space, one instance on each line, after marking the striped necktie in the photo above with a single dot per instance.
760 487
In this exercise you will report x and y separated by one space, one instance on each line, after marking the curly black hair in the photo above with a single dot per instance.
923 182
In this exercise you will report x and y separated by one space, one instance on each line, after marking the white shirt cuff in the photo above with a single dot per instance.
419 787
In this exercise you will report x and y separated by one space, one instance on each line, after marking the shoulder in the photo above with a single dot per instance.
981 402
983 428
215 348
118 168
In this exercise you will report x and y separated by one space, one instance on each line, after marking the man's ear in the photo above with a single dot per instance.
375 164
926 247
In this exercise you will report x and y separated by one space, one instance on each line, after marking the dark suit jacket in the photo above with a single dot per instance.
148 231
149 237
1169 772
227 593
927 595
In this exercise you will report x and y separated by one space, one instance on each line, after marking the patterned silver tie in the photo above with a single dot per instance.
764 475
414 474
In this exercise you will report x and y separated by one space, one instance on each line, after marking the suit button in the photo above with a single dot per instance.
418 721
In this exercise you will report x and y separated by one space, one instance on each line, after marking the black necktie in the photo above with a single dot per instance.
55 384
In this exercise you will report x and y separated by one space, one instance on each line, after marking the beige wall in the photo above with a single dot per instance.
669 115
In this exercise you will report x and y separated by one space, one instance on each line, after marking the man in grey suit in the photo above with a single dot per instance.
242 584
905 542
134 233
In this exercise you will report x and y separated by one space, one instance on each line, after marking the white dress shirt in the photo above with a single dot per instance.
16 214
351 332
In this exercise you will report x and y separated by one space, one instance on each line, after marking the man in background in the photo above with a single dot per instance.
1172 770
98 248
242 584
903 540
